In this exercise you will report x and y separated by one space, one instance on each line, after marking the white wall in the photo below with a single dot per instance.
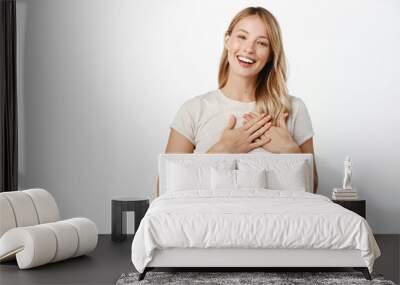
100 81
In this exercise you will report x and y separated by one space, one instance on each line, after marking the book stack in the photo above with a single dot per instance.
344 194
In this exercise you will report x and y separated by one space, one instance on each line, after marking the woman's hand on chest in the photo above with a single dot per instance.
242 139
278 137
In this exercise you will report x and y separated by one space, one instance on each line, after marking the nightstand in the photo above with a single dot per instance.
119 207
357 206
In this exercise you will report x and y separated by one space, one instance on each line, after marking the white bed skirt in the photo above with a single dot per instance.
236 257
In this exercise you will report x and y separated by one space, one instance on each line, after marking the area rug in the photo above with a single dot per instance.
244 278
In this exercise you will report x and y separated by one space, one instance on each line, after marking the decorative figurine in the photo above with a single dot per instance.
347 174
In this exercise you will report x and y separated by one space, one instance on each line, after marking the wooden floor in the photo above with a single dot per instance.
111 259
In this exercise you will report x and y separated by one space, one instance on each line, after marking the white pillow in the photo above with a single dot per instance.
237 179
281 175
185 175
223 179
293 178
251 178
182 177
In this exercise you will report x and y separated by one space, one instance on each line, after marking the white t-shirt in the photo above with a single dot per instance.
203 118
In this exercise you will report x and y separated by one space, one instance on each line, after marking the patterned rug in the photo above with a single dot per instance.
244 278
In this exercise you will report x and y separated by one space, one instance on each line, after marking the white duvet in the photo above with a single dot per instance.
251 218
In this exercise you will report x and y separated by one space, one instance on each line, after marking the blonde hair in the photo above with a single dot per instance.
271 90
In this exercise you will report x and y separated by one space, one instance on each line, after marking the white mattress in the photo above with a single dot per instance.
252 218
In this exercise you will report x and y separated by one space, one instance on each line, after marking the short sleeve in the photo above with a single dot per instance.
183 122
302 126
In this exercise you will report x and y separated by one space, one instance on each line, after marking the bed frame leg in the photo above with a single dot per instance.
364 271
143 274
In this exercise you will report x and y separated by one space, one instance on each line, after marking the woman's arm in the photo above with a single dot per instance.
177 143
308 147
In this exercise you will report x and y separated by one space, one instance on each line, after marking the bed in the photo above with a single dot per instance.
247 210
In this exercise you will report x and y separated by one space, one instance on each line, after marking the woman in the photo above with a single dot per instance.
251 111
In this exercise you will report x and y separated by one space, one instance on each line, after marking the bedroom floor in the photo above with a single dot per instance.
111 259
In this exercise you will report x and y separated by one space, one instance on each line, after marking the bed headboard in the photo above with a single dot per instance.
164 159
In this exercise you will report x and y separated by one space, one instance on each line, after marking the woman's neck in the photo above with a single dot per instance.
240 88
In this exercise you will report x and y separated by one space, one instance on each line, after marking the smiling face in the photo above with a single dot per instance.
248 47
